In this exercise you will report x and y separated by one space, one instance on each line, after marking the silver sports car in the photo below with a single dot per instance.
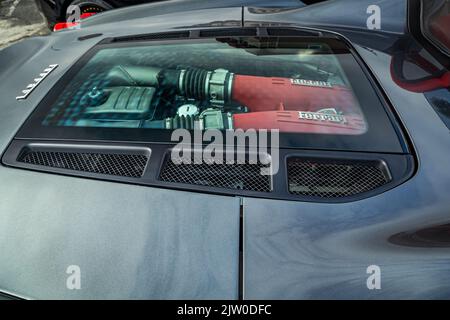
198 150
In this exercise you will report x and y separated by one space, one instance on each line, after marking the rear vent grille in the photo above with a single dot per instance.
334 179
243 32
125 165
282 32
220 32
245 176
154 36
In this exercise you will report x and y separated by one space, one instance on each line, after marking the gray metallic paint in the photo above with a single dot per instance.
307 250
144 242
129 241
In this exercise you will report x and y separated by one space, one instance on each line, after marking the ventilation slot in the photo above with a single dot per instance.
286 32
221 32
154 36
244 176
125 165
232 32
334 179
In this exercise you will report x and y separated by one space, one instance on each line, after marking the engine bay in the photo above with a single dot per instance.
208 95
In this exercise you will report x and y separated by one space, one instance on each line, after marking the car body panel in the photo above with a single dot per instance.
323 251
38 248
128 241
291 249
329 14
55 9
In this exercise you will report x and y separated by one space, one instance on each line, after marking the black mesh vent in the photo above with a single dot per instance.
228 32
125 165
308 177
280 32
154 36
245 176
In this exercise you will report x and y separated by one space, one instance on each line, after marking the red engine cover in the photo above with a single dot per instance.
265 94
289 121
275 103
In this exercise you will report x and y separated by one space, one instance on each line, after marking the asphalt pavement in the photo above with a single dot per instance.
20 19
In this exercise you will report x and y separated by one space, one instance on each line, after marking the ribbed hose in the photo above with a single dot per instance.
199 84
194 84
184 122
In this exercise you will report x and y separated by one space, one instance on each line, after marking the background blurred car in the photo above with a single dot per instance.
56 10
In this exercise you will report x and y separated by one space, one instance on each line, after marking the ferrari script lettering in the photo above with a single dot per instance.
37 81
321 116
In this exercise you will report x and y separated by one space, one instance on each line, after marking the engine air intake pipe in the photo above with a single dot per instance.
220 87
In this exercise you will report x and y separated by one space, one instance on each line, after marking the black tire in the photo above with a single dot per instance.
87 6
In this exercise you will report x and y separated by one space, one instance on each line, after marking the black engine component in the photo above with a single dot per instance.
212 86
191 83
186 98
129 103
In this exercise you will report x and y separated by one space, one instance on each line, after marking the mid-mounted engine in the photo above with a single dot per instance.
194 98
